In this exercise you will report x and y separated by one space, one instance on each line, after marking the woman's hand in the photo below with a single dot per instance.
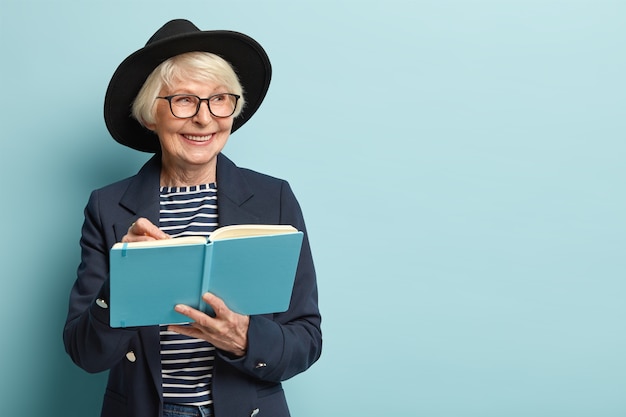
143 230
227 331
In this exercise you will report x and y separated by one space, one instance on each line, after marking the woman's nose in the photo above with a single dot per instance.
204 115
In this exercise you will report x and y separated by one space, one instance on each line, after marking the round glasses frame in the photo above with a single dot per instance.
200 100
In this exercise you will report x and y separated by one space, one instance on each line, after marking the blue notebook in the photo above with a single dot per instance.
251 267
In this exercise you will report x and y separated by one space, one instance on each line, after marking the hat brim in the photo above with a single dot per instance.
246 56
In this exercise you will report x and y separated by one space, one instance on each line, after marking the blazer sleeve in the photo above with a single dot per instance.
88 339
285 344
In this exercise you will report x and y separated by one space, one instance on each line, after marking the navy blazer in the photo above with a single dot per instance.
279 345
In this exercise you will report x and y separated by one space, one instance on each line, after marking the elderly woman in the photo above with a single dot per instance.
188 90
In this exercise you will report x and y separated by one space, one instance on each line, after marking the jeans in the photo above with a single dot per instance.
178 410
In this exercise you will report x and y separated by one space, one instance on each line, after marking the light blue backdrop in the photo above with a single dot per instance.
472 153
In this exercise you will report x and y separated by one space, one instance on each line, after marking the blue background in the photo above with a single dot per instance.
461 169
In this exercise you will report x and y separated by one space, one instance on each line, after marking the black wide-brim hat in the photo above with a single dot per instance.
244 54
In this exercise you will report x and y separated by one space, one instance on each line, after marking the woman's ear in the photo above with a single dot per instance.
149 126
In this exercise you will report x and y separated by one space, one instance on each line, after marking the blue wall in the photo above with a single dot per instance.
473 152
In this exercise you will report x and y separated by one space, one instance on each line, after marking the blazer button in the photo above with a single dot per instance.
101 303
131 356
260 365
254 412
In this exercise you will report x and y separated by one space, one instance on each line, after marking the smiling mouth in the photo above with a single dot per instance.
198 138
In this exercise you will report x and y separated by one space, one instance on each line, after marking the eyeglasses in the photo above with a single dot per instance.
185 106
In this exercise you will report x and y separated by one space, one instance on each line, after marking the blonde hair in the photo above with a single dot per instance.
195 66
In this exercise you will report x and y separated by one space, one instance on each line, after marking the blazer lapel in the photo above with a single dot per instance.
141 198
233 191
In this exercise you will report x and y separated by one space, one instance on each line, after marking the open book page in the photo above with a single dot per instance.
185 240
225 232
249 230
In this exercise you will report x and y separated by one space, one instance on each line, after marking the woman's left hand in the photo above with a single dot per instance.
227 331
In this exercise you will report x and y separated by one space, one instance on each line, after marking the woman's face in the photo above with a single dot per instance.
190 144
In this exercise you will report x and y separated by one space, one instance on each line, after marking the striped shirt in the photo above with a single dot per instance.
187 363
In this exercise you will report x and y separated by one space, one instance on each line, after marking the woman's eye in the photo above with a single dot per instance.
184 100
